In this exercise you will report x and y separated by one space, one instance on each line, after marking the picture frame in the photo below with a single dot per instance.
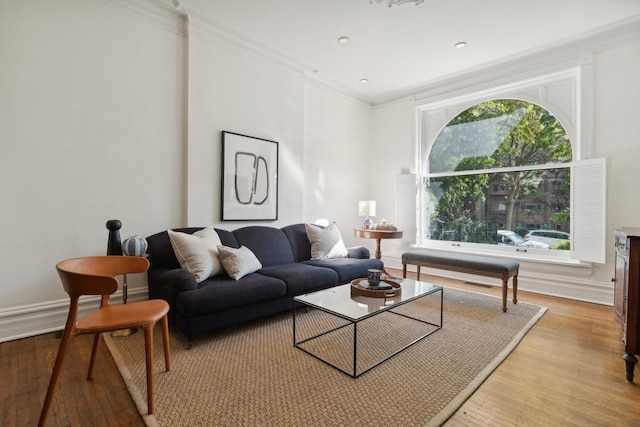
249 178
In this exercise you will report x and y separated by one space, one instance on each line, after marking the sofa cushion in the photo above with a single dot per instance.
348 269
238 262
297 235
301 278
228 238
326 243
223 293
197 252
270 245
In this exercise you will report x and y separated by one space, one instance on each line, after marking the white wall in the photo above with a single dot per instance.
617 136
90 130
394 154
323 137
110 111
236 91
338 160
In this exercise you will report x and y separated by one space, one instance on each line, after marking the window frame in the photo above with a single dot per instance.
564 94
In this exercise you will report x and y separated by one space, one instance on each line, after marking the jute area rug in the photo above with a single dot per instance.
252 375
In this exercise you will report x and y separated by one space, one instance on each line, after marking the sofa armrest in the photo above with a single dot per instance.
168 283
359 252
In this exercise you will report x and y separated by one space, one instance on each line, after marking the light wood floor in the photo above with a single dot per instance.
567 371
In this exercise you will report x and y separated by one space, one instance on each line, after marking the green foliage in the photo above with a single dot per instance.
564 245
562 216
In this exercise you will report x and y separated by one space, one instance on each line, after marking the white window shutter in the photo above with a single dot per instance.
588 209
406 206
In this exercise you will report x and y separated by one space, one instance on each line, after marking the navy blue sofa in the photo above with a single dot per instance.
220 302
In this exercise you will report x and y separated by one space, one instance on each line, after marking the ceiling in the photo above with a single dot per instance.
403 48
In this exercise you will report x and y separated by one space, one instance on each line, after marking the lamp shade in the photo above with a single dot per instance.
367 208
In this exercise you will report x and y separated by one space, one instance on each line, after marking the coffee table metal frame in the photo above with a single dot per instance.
411 293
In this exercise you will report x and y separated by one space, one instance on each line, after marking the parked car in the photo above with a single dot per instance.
550 237
510 238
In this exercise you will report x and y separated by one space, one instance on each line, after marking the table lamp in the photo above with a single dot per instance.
367 209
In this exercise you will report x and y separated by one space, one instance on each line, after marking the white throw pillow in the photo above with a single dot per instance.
197 252
238 262
326 243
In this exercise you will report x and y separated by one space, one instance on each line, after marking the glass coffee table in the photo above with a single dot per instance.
354 334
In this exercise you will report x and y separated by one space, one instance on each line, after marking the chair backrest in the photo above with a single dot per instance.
96 275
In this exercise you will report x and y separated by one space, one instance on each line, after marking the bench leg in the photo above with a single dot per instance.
504 294
404 271
515 288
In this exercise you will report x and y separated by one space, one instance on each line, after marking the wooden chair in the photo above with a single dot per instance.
96 276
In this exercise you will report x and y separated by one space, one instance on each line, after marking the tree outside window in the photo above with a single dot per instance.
502 164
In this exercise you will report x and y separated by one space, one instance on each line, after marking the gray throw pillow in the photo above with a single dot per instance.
326 243
197 252
238 262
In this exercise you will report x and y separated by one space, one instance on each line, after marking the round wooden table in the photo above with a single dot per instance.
378 235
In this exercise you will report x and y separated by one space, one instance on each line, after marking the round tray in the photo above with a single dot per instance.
368 292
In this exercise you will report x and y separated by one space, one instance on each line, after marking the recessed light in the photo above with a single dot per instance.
344 39
364 81
460 45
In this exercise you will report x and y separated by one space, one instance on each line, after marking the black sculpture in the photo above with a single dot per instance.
114 246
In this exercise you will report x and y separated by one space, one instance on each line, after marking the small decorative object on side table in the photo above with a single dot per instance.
135 246
114 247
367 209
132 246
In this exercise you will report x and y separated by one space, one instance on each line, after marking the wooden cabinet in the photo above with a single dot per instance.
626 301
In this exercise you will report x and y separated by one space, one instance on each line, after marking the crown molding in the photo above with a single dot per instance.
203 27
549 58
176 17
161 13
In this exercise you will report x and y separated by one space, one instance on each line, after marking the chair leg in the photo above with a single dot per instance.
148 349
515 288
165 339
67 336
94 351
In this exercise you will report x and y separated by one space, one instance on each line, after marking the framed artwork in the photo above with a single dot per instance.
249 178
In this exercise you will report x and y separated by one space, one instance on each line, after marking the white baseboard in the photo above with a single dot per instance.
35 319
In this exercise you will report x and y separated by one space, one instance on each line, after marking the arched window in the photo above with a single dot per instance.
496 172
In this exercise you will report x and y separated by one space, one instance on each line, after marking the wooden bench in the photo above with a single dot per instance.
463 263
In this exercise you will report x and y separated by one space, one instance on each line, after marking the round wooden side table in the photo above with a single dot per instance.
378 235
